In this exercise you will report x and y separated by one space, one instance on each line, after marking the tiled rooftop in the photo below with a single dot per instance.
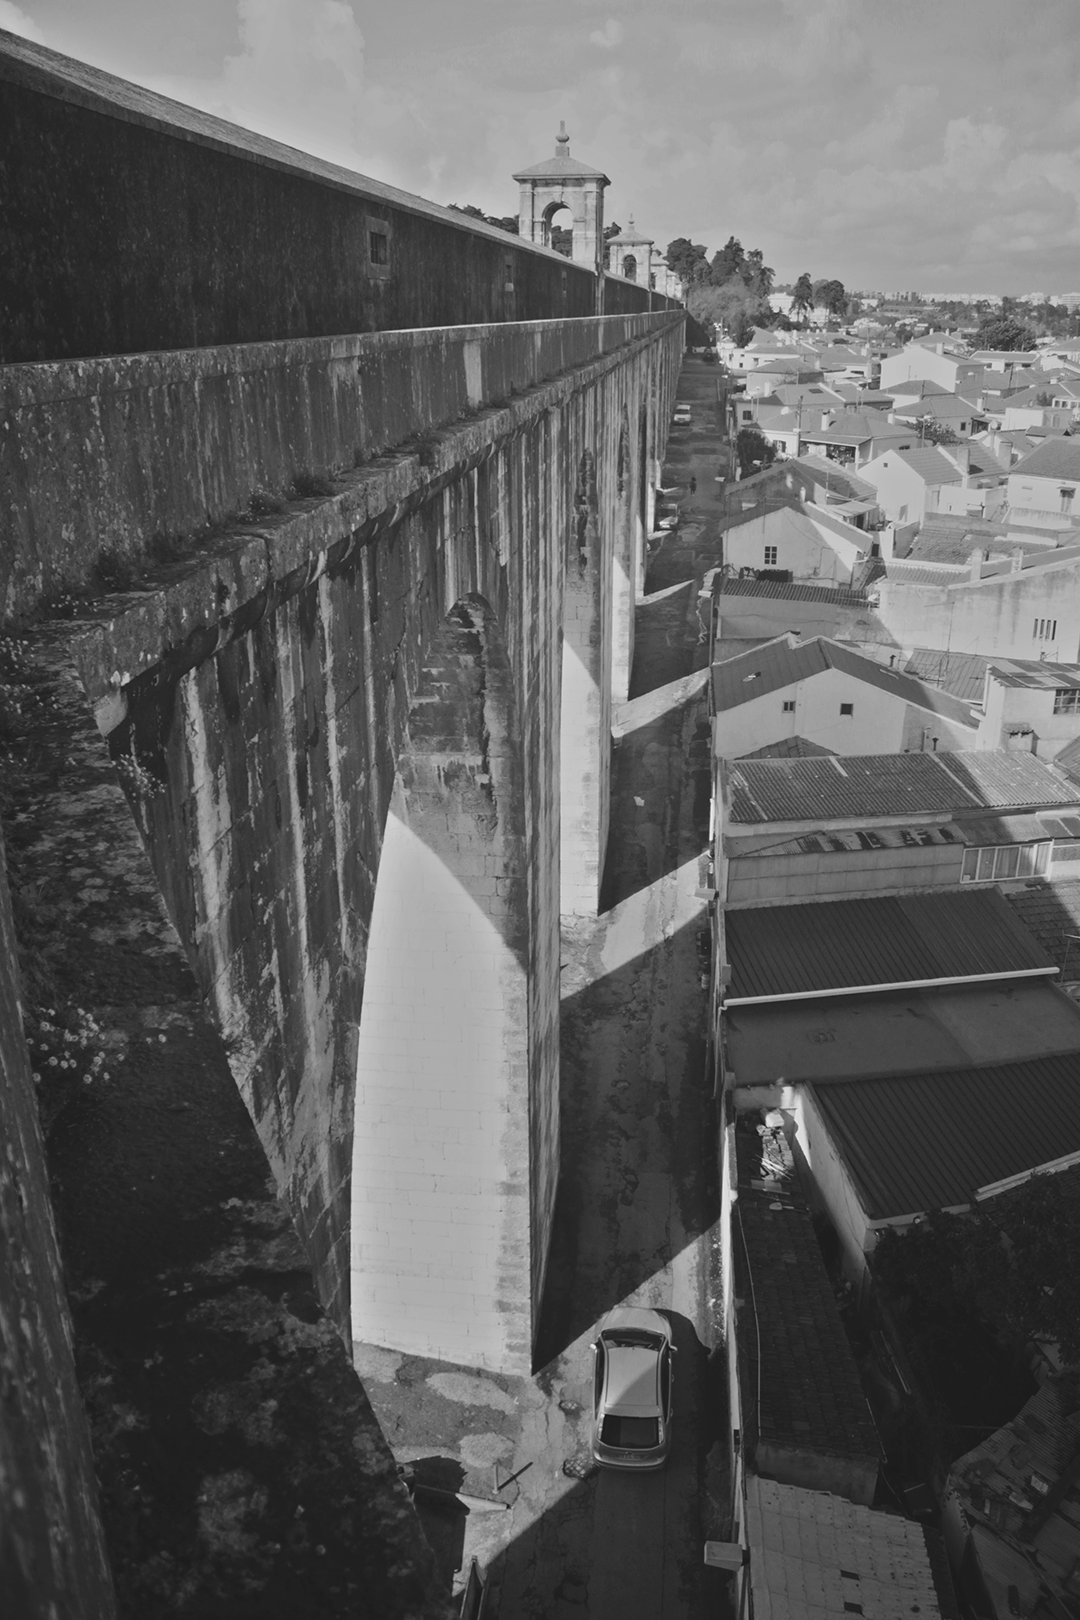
811 1393
787 660
818 1557
789 748
839 946
925 1141
790 591
1055 458
871 785
1050 911
1026 1548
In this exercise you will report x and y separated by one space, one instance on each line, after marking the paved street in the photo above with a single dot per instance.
638 1193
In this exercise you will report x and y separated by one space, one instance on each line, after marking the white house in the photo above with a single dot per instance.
1031 705
832 697
908 481
935 362
807 542
1043 484
1025 606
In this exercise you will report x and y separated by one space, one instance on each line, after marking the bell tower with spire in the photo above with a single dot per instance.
563 182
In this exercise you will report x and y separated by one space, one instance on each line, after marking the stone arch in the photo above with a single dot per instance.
441 1255
549 216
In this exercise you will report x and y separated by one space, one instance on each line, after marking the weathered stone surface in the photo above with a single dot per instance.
133 223
52 1555
263 696
238 1458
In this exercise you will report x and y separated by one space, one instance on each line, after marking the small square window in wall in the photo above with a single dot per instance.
847 708
378 247
789 705
771 555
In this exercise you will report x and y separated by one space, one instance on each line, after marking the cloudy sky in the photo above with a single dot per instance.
929 144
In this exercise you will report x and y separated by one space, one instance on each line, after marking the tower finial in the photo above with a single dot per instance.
562 141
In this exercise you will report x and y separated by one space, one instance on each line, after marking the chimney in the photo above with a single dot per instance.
975 562
1017 561
961 454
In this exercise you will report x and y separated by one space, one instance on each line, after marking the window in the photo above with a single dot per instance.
1045 630
1001 861
508 275
847 708
377 233
1066 499
771 555
789 705
1067 700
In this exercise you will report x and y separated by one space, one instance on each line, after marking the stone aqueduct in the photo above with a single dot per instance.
365 734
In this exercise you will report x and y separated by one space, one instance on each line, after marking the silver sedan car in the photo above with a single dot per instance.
632 1389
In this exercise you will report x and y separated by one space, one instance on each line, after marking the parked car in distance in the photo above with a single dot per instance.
682 416
632 1389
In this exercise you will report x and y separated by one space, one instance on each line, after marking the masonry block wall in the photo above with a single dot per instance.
52 1555
134 223
266 696
289 530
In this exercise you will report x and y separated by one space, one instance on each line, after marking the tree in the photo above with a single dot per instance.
802 299
689 260
505 222
1003 1263
1004 331
831 297
753 451
728 263
757 275
934 432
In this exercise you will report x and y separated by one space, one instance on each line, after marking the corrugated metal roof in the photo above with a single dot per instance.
785 661
838 946
860 787
921 1141
962 674
999 780
790 591
813 1556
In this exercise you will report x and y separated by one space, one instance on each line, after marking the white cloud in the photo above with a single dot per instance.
17 22
609 36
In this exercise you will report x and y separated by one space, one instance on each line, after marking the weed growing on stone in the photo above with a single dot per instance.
113 571
312 483
27 702
136 778
65 1041
263 504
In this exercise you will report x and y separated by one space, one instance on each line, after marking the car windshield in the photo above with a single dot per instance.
630 1433
637 1337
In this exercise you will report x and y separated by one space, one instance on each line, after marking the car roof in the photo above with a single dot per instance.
631 1382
